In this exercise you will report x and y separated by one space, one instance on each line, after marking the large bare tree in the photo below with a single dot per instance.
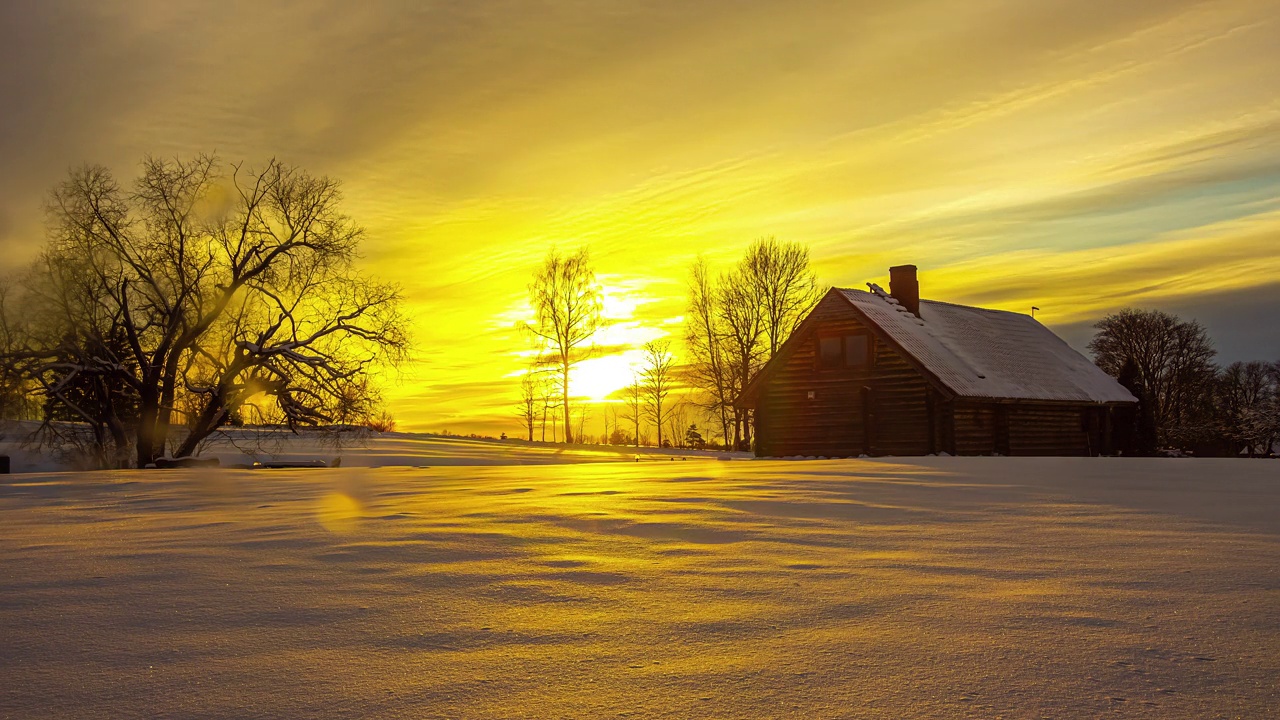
198 297
736 323
567 305
658 377
706 367
1173 359
742 318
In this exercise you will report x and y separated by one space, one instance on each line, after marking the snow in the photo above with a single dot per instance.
989 353
924 588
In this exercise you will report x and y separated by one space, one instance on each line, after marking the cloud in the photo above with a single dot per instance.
1242 323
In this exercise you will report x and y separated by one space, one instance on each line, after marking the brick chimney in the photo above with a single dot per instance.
904 287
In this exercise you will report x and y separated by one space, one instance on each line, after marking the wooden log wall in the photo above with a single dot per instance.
975 428
987 428
1049 430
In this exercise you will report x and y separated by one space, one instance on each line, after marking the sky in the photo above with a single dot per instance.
1080 156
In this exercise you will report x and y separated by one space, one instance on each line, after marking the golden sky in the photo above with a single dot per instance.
1080 156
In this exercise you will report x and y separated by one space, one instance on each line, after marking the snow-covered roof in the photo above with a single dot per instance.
988 353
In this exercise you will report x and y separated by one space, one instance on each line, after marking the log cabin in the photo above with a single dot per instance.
876 373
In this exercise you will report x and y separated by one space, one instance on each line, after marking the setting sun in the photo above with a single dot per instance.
597 378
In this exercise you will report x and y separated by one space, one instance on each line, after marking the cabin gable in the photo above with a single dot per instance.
839 389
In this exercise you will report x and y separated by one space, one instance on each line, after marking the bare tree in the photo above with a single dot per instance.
529 397
706 370
57 335
736 324
1247 395
1273 409
1174 363
658 376
609 413
743 321
567 303
16 391
634 396
547 399
584 412
677 422
204 294
785 287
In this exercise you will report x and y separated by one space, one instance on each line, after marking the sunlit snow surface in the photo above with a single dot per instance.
939 587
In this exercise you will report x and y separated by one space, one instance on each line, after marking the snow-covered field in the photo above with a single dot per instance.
935 587
366 449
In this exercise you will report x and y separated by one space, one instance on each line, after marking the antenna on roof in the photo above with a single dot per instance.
1033 310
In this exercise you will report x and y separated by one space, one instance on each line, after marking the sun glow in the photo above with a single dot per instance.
597 378
614 358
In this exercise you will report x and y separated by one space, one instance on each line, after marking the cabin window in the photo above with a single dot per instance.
830 352
857 350
852 351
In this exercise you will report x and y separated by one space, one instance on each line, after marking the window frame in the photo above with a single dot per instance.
868 350
820 357
842 363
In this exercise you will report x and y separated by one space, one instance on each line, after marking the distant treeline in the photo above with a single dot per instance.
1188 403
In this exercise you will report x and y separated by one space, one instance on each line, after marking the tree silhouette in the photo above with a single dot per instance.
206 294
737 323
743 322
528 407
1247 393
658 376
705 347
693 438
567 303
633 395
1174 363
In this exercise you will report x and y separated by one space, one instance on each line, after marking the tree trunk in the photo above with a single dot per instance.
568 422
657 413
164 409
213 416
146 428
121 440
